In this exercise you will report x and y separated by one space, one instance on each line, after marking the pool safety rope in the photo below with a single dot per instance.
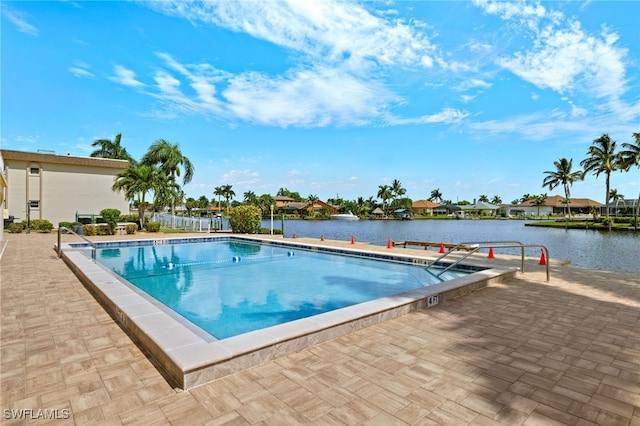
234 259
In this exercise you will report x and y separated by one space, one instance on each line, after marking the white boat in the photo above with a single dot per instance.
345 216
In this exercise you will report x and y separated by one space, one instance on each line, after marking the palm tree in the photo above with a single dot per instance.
630 156
483 198
111 149
602 159
563 175
227 193
203 202
436 195
312 198
190 203
397 189
539 201
265 201
170 159
219 191
136 181
496 200
384 193
251 198
614 196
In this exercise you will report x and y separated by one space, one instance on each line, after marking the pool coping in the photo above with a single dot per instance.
190 359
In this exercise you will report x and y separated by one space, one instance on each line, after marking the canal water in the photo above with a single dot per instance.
616 251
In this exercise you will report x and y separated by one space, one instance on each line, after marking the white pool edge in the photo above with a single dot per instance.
191 359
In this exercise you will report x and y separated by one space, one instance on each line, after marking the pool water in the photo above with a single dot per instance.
229 288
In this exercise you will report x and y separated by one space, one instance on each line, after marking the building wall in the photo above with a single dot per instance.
60 190
3 190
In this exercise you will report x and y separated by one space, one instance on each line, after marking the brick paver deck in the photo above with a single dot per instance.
525 351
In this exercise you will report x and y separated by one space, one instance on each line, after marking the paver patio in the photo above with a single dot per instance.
524 351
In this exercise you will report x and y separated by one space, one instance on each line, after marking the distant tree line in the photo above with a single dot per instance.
156 175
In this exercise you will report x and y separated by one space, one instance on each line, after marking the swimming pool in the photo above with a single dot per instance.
190 355
229 288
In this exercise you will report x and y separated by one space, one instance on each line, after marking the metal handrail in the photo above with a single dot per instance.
472 243
91 243
464 256
492 244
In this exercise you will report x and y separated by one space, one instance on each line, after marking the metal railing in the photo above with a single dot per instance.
477 245
59 247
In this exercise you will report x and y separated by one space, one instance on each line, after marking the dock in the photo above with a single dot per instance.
428 244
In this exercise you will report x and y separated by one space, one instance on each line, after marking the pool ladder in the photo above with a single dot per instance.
477 245
65 229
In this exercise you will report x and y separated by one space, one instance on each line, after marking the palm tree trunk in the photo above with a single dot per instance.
173 203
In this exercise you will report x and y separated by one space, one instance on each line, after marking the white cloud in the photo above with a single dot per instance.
241 177
19 19
338 50
576 111
125 77
446 116
81 70
202 79
568 59
472 83
563 57
27 139
307 98
577 125
329 30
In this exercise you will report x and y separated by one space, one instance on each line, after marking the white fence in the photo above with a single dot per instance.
193 224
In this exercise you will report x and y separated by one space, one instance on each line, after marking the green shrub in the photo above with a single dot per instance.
41 225
246 219
104 230
152 226
89 230
267 231
67 225
111 217
129 218
16 228
131 228
607 221
622 219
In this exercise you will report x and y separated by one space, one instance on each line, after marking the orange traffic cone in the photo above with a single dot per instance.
441 247
543 260
353 239
491 256
389 244
322 237
294 235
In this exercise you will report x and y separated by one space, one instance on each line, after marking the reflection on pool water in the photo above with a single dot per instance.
229 288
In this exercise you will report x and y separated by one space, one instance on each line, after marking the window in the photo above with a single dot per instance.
34 171
34 204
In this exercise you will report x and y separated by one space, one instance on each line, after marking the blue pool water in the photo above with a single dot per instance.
228 287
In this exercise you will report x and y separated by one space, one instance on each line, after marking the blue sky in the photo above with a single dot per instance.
331 98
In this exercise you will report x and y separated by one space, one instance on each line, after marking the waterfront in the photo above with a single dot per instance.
617 251
525 351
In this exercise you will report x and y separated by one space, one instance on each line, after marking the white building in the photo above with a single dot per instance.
57 187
